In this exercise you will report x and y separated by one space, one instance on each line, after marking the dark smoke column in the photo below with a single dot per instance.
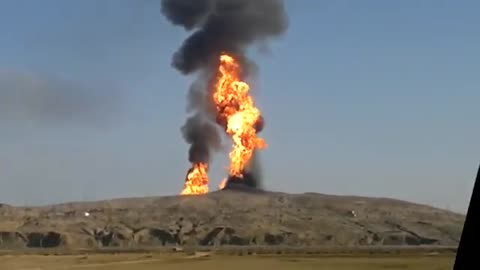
217 26
202 137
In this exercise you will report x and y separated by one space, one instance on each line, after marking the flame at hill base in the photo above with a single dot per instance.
221 32
196 181
241 120
237 114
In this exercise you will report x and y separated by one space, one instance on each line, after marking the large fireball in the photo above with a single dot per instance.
197 180
237 112
241 120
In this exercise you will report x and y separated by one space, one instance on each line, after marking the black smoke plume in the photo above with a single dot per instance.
202 137
222 26
219 26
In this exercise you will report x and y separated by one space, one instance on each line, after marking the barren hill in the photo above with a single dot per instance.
230 217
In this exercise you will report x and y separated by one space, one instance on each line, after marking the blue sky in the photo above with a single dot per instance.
376 98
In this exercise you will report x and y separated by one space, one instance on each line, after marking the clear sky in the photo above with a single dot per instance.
376 98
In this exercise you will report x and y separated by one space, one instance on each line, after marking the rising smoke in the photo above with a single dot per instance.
218 26
202 137
222 25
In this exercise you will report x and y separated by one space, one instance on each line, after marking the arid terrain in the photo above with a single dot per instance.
213 262
229 218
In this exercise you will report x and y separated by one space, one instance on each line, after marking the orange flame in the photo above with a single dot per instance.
222 184
237 111
197 180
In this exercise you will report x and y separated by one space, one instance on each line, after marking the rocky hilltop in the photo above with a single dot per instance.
230 218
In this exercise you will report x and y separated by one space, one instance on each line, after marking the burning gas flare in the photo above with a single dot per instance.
197 180
222 184
224 30
237 113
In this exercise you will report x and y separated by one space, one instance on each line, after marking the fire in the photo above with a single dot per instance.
237 112
222 184
197 180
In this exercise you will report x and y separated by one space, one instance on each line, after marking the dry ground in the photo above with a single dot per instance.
212 262
230 218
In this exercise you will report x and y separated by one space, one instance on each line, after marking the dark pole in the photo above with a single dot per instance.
467 253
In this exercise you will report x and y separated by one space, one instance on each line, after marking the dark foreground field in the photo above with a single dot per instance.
202 261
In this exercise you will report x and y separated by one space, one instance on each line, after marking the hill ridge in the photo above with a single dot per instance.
231 218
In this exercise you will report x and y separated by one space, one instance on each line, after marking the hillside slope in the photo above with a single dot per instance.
230 217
